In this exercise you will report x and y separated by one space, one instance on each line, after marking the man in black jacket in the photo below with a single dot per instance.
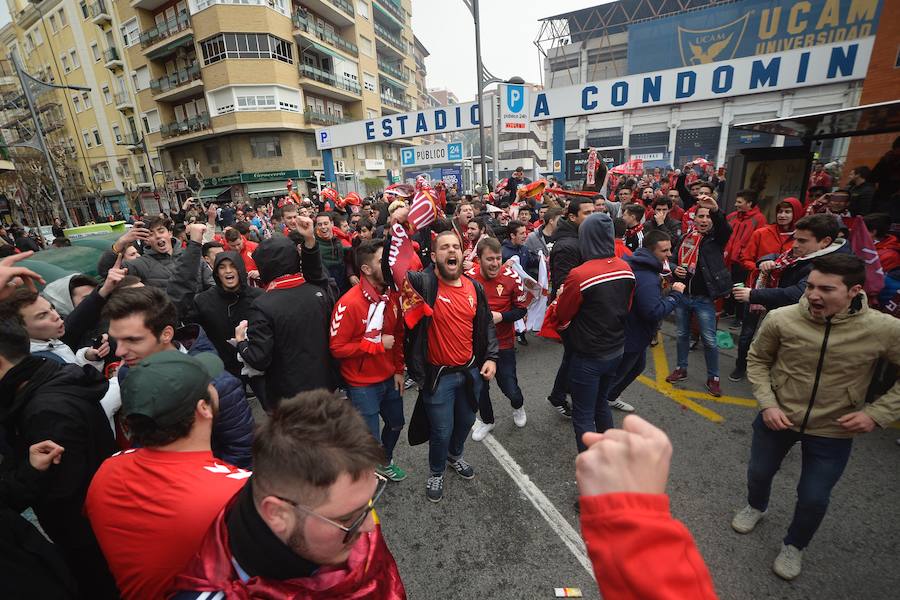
701 267
41 400
564 257
286 335
450 355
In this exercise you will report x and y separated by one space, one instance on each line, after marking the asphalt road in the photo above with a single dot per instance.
488 539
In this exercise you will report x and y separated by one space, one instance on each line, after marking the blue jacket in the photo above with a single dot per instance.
649 305
232 433
507 250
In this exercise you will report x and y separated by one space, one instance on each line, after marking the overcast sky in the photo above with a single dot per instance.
508 31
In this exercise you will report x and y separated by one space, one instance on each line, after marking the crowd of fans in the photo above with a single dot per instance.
127 423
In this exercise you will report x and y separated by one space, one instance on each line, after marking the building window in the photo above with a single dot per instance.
265 146
107 96
95 51
362 7
84 9
365 45
87 101
76 101
61 14
87 139
53 26
117 133
97 137
73 56
246 45
256 102
36 38
369 81
130 32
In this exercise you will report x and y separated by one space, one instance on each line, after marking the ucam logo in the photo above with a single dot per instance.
515 98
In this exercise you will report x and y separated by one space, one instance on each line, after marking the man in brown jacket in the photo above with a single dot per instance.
810 367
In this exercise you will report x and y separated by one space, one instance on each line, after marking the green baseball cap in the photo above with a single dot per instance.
166 386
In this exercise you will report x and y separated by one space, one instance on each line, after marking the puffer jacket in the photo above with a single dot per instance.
650 305
177 273
564 256
232 432
219 311
818 370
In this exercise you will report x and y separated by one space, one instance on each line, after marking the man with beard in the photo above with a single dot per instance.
367 339
304 525
506 298
142 322
450 355
150 507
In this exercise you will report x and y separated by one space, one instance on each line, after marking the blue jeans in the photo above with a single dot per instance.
823 464
589 379
632 365
380 399
450 418
508 383
706 317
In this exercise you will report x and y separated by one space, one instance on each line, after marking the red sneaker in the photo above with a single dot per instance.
712 386
677 375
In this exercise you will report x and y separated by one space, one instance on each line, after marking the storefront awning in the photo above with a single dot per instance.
267 188
213 192
846 122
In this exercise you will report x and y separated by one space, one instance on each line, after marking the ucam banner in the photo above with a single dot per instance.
779 71
431 155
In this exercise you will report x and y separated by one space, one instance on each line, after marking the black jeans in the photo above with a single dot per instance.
561 383
823 464
508 382
748 330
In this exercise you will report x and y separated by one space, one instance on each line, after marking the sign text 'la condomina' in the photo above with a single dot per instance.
817 65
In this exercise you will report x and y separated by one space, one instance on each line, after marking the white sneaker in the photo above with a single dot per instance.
788 563
480 431
620 404
519 417
746 519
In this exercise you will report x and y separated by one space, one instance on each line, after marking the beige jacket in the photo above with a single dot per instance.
817 372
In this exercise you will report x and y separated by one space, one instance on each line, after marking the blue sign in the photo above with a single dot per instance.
748 28
515 98
407 156
454 151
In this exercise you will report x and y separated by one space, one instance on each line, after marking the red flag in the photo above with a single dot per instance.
632 167
399 259
424 210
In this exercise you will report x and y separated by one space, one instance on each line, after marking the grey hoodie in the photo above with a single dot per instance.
596 237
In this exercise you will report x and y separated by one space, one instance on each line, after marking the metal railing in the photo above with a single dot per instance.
165 30
304 24
395 102
122 99
330 78
198 123
393 71
99 8
392 8
176 79
130 139
343 5
391 38
111 55
314 116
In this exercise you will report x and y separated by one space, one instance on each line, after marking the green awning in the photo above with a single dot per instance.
387 13
267 188
326 50
214 192
393 82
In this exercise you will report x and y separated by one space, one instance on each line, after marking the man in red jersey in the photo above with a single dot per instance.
151 507
506 298
367 339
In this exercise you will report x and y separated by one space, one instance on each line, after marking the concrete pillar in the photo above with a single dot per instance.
626 133
725 118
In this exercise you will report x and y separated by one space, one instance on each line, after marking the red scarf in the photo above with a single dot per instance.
371 342
370 573
286 282
632 232
689 251
400 260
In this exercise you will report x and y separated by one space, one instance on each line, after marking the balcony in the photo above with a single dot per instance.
392 70
339 12
392 9
188 126
177 85
320 118
123 101
302 23
99 13
329 84
112 60
172 31
392 39
131 140
395 103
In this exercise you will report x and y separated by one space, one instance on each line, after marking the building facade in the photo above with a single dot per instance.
219 97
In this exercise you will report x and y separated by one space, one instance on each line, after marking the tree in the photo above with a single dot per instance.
193 180
373 185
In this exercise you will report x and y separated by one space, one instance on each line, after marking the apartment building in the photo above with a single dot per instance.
226 94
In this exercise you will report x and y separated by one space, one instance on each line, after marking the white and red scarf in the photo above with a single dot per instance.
286 282
689 251
371 342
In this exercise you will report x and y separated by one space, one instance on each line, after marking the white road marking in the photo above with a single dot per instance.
559 524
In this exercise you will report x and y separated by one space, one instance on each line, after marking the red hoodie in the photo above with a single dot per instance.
743 224
888 253
626 533
768 240
246 252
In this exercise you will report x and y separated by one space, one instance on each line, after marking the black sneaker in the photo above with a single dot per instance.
523 341
737 375
409 383
736 326
562 408
462 468
434 488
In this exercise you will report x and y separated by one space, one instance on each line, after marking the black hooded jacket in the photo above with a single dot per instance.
288 328
565 254
219 311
